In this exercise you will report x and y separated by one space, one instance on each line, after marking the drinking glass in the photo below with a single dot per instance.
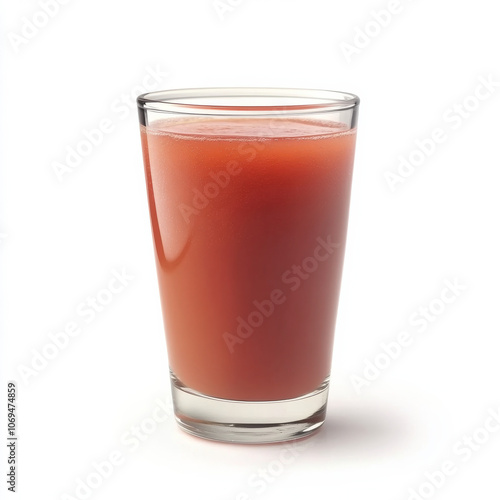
248 192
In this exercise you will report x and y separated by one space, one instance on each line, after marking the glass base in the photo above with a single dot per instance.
249 422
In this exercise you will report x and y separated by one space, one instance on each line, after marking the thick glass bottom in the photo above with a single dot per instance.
249 422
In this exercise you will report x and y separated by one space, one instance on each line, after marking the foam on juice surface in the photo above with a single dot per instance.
249 128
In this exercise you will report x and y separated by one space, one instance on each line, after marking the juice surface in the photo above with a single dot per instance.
249 221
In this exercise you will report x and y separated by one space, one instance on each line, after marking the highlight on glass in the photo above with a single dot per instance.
248 192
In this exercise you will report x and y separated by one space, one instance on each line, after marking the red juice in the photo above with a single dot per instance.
249 221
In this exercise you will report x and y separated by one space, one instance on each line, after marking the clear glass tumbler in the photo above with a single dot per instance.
248 193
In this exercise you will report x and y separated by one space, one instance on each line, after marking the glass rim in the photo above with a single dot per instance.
190 101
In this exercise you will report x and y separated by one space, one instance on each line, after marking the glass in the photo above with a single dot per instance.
248 192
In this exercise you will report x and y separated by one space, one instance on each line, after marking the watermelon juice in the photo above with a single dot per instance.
249 225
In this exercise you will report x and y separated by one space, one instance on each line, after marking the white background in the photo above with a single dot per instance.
61 240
